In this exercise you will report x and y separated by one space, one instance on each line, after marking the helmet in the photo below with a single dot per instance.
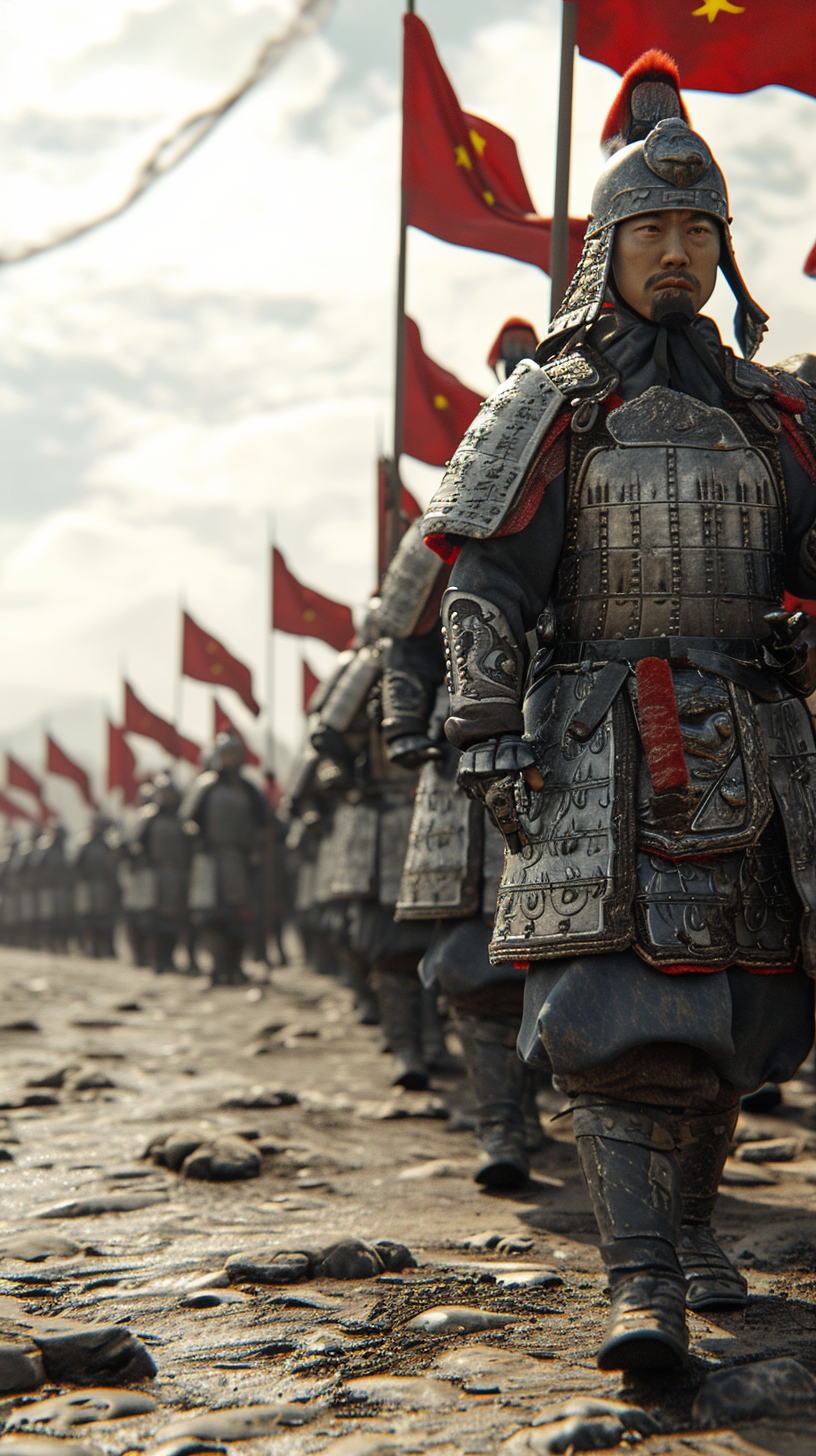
668 166
227 746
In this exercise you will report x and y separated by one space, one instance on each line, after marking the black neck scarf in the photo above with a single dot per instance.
678 353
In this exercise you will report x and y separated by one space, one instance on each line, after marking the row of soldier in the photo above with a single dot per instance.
202 870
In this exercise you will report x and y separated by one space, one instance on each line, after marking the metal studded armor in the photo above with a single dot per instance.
674 753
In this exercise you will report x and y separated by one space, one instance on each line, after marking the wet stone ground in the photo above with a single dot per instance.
100 1062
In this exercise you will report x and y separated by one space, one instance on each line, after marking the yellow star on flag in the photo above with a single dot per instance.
489 198
712 8
440 402
462 158
309 615
477 142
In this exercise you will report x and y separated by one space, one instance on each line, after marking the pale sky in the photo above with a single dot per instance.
218 362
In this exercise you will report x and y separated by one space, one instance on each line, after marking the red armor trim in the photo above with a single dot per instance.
798 444
659 725
552 460
710 970
439 543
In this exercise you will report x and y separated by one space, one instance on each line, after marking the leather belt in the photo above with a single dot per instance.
724 656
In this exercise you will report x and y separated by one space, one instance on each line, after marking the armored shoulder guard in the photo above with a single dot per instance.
485 477
407 584
796 379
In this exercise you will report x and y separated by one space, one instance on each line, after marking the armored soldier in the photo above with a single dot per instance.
652 767
95 888
360 861
455 856
158 854
54 898
226 816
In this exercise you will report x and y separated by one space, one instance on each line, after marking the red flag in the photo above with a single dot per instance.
18 777
305 613
203 657
274 793
409 510
438 407
58 762
140 719
12 810
718 44
121 764
222 723
810 263
461 175
310 682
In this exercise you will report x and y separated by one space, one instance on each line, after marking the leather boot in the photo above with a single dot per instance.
628 1159
712 1282
400 1002
497 1080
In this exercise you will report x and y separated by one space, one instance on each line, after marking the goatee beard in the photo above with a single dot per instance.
667 304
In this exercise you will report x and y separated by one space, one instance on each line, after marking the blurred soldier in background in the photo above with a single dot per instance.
54 899
159 863
226 816
96 895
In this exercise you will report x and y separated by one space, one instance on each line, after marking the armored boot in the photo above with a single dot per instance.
226 958
712 1282
400 1002
434 1046
628 1159
497 1081
160 953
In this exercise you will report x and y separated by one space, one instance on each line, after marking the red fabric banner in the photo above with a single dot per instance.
12 810
142 720
438 407
18 777
204 658
717 44
461 175
305 613
222 723
310 682
121 764
409 510
58 762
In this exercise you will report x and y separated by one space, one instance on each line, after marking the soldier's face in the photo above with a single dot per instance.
666 262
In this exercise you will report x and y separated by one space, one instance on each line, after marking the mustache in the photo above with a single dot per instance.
671 275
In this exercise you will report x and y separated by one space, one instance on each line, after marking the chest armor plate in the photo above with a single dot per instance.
674 527
168 842
228 816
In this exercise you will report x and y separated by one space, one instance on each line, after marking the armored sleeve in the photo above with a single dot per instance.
498 589
415 669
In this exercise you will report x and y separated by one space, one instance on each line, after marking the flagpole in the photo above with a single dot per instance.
559 236
270 654
392 508
178 686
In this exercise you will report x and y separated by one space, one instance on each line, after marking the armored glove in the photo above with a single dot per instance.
489 772
788 650
412 750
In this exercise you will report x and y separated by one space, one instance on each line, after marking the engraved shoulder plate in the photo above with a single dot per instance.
663 416
408 584
482 481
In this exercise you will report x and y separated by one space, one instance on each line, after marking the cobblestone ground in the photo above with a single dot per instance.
98 1059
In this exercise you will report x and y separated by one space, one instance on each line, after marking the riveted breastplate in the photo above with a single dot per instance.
675 525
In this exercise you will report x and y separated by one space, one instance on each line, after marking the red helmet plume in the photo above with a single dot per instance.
649 91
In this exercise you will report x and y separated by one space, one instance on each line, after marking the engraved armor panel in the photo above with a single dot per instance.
787 729
571 887
442 873
347 858
729 909
729 798
488 467
675 529
407 584
394 830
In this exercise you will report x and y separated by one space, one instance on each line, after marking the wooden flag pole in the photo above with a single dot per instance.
392 509
559 237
